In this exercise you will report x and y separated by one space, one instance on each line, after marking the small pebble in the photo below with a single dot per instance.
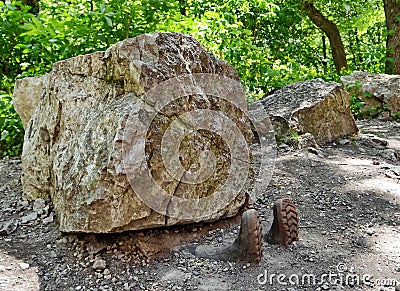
30 217
99 264
107 277
24 266
369 231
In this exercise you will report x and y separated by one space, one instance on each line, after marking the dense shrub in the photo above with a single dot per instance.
270 43
11 131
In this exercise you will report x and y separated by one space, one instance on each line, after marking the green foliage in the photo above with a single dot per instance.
362 27
11 131
396 116
358 106
293 137
11 58
270 43
373 112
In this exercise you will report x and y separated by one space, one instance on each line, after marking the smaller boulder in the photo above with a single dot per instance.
319 108
376 90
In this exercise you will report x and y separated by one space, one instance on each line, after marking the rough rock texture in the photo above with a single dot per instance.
26 96
80 144
316 107
381 89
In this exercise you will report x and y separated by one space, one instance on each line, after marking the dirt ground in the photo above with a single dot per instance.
347 194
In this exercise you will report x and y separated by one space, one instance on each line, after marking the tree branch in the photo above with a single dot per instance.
332 32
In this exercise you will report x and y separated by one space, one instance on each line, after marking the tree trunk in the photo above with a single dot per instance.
332 32
325 56
34 4
392 9
182 8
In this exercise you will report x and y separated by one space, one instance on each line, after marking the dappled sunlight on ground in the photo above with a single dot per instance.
384 244
382 131
385 186
349 164
388 188
387 241
16 275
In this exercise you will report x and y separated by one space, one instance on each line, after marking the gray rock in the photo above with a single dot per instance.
107 277
99 264
24 266
9 227
39 205
343 141
382 89
24 203
306 140
371 140
380 141
94 247
53 254
397 268
49 219
369 231
391 154
316 107
96 141
28 218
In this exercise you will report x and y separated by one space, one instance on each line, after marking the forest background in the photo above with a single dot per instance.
270 43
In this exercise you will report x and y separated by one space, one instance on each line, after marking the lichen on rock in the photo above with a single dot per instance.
316 107
82 141
377 91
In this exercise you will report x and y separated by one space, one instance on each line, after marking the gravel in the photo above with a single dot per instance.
347 194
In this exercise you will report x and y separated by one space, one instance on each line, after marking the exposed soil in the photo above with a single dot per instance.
347 194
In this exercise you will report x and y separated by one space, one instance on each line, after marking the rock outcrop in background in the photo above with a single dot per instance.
376 90
316 107
74 140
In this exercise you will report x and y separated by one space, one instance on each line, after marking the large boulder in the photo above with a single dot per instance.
376 90
96 141
316 107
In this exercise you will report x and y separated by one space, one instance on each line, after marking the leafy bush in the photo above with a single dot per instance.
270 43
11 130
358 106
396 116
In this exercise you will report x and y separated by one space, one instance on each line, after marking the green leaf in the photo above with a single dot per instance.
108 20
11 7
4 135
38 24
368 94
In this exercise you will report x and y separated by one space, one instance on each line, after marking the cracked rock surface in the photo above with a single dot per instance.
97 131
376 90
316 107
